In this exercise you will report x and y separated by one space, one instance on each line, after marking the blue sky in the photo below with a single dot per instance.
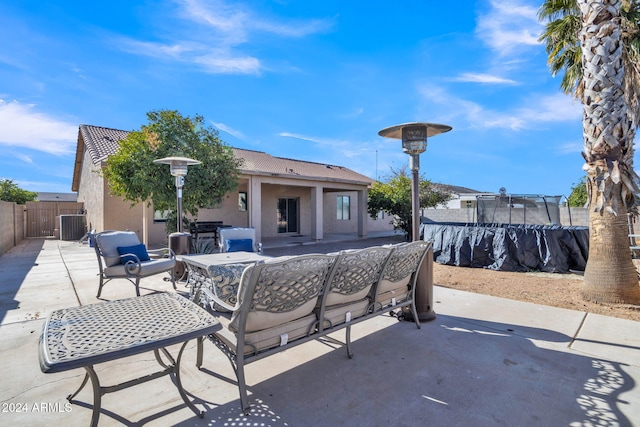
310 80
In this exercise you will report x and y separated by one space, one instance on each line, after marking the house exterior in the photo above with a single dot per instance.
276 196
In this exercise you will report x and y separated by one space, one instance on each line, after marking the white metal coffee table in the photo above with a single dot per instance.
80 337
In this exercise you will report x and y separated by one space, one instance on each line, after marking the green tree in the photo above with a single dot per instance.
133 176
10 192
394 198
578 197
596 44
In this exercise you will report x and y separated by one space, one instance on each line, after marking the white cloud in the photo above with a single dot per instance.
212 60
24 158
236 21
230 65
553 108
483 78
571 148
343 148
508 26
22 126
320 141
214 31
538 110
231 131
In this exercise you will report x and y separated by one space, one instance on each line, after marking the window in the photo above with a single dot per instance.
160 216
242 201
342 204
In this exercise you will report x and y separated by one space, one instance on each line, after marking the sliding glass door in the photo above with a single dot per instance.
287 215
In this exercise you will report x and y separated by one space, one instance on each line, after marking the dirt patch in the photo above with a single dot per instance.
557 290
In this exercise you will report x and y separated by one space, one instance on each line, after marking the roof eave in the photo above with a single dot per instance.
306 177
77 166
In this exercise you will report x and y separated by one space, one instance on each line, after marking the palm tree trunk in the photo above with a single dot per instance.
610 276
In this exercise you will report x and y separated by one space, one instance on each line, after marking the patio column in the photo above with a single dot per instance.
317 212
363 197
255 205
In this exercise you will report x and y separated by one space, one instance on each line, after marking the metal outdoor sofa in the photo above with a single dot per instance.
286 301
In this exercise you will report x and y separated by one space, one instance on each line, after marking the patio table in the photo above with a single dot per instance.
198 265
80 337
222 258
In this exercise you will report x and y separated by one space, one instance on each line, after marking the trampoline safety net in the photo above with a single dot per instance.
518 209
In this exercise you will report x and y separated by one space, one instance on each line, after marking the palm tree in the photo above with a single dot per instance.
595 43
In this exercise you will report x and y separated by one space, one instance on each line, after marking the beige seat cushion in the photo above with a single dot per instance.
337 314
147 268
389 290
266 338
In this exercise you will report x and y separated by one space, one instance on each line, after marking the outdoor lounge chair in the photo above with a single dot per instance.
122 256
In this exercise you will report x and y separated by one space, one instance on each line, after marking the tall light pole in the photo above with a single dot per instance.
178 169
179 242
414 141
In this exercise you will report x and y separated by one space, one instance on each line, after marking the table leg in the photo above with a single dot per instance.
97 395
179 384
172 362
84 382
98 391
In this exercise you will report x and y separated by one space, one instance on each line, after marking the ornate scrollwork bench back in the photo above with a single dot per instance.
276 302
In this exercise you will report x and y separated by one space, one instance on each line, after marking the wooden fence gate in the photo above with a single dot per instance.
43 217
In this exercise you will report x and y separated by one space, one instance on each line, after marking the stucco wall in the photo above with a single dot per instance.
228 212
91 193
120 215
270 196
12 225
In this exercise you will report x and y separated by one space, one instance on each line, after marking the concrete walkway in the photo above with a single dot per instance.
484 361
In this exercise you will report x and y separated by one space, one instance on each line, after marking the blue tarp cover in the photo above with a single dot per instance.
504 247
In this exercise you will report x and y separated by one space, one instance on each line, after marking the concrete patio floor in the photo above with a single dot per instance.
484 361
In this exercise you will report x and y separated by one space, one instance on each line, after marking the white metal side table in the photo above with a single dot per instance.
80 337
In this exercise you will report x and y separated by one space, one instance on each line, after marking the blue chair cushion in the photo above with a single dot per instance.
138 250
237 245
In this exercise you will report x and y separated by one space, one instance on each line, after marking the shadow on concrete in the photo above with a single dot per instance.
453 371
15 265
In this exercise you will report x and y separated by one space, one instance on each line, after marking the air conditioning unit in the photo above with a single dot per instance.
72 227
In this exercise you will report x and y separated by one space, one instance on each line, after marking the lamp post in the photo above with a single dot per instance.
179 170
179 242
414 141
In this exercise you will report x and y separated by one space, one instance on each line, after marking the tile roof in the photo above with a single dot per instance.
102 142
261 163
455 189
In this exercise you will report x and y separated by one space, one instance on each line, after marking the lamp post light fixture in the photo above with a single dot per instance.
179 170
414 141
